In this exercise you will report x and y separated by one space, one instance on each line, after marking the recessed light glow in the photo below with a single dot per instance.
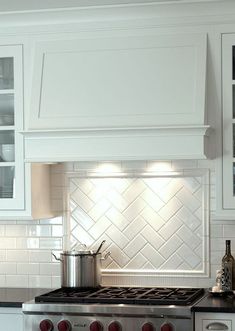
159 166
108 169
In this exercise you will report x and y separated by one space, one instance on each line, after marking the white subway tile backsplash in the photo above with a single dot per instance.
39 231
7 243
27 243
52 269
133 248
116 236
57 231
229 231
15 231
170 208
28 268
149 224
17 255
99 227
134 227
39 281
8 268
17 281
51 243
2 281
40 256
152 256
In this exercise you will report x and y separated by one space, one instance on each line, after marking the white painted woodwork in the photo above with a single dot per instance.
214 321
228 143
17 202
108 95
119 81
11 319
145 144
31 183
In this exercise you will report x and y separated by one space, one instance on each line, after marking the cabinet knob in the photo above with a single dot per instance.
217 326
147 327
114 326
166 327
96 326
46 325
64 326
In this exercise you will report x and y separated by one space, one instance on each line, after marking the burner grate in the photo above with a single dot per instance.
123 295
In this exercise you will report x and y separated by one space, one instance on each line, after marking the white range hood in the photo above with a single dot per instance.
118 94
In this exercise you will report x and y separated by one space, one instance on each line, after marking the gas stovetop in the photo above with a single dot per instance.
123 295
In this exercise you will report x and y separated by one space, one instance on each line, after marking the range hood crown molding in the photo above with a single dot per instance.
152 143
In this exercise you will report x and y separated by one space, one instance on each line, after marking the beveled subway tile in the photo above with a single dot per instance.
52 269
40 256
17 280
118 237
134 227
39 230
82 199
157 209
53 221
30 243
8 268
99 209
17 255
27 268
137 262
2 230
55 281
170 208
133 248
152 237
16 230
39 281
229 231
2 280
57 230
2 255
100 227
82 218
7 243
49 243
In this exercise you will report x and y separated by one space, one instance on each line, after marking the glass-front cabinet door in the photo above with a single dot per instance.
11 123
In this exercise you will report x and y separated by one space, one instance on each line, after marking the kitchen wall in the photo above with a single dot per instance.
26 246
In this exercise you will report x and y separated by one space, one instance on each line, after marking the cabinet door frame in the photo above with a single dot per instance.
18 200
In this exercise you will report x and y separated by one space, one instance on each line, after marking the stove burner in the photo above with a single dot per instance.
123 295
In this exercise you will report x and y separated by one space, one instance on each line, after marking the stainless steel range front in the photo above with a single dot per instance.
112 309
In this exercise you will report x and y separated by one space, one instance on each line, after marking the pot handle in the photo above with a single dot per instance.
105 256
57 258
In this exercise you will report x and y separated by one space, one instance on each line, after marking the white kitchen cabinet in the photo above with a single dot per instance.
110 80
11 319
11 119
20 196
214 322
228 129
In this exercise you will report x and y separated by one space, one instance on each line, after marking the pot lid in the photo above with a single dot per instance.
78 252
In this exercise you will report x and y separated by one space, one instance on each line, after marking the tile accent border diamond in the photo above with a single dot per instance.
154 224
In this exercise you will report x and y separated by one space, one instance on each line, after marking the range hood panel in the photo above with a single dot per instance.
118 95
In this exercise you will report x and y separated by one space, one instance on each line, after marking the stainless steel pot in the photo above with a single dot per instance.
80 268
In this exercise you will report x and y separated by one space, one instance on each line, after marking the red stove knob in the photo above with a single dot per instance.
114 326
166 327
96 326
64 326
148 327
46 325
